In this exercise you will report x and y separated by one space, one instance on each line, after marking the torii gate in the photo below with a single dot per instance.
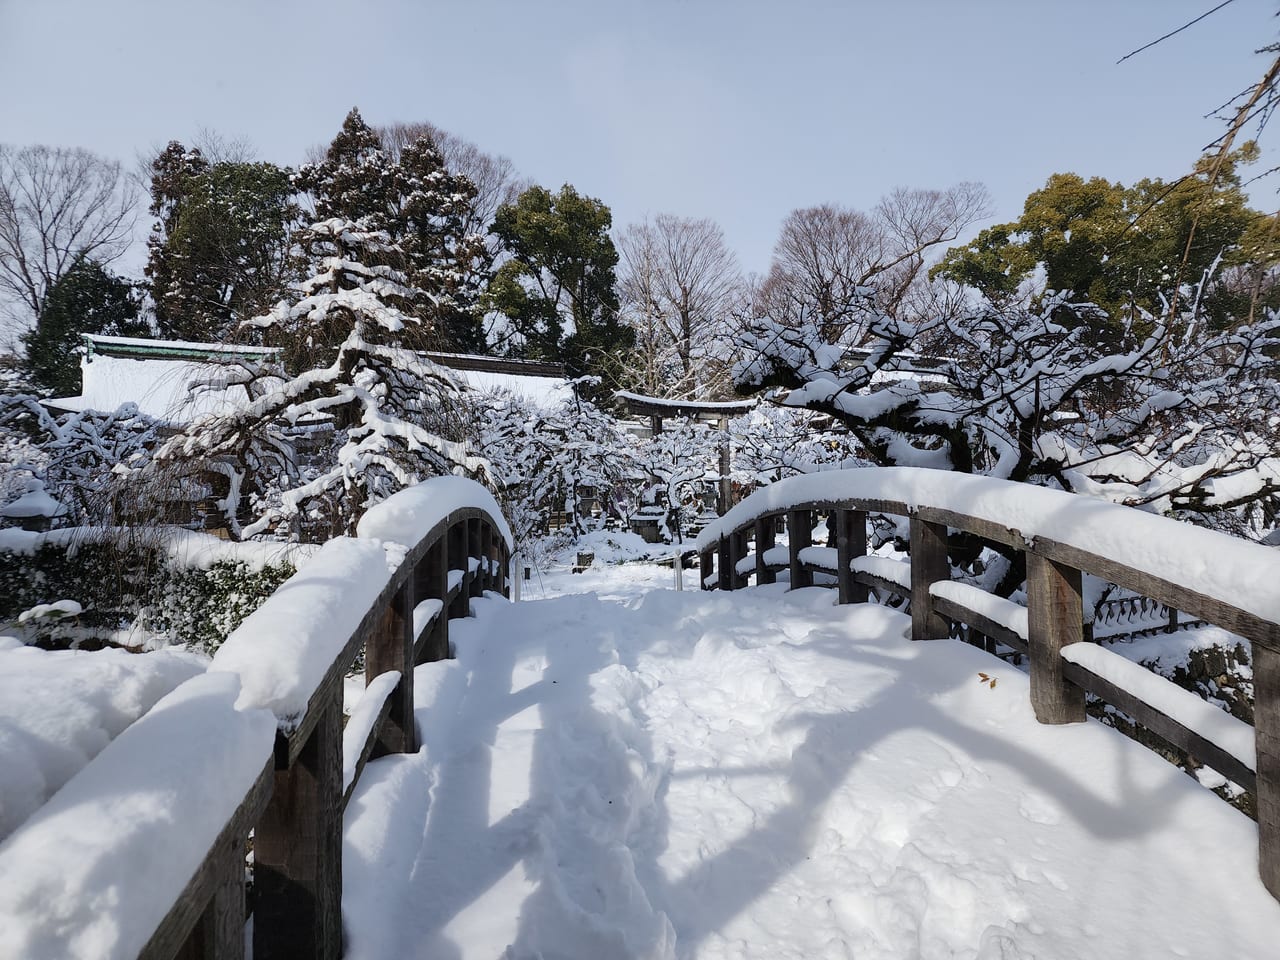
657 408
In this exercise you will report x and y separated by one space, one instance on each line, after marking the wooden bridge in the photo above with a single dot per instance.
288 789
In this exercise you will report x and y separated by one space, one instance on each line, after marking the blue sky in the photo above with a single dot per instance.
737 111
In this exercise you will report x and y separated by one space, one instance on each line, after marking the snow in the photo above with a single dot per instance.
886 568
1004 612
54 611
1217 726
424 613
361 721
766 774
187 549
545 393
92 872
825 557
58 710
725 407
408 516
1229 569
284 648
780 554
235 349
34 502
160 388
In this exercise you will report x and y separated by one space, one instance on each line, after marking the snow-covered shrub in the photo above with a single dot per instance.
133 590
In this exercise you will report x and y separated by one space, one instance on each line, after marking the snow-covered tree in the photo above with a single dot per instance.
679 463
423 207
771 443
544 460
77 456
1170 420
353 415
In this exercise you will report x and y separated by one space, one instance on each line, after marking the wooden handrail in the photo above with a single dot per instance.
295 808
1054 610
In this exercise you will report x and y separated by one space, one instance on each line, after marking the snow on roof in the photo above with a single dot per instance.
543 392
641 403
97 343
161 388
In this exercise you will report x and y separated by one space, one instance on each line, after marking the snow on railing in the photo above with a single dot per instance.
1207 575
256 744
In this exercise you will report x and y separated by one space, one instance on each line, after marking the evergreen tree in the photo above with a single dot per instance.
218 248
374 414
88 298
422 207
558 289
1124 249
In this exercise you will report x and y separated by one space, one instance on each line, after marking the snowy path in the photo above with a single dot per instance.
762 774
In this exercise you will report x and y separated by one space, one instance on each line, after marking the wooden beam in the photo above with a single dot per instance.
1055 618
765 534
392 647
929 565
298 851
1266 725
799 536
706 567
851 541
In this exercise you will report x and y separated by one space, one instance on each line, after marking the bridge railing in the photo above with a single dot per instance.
1209 576
256 746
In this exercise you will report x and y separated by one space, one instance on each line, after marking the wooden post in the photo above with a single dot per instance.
219 933
738 551
1055 618
727 579
297 850
391 648
431 581
475 586
851 541
705 568
485 573
765 534
799 536
1266 727
461 606
929 564
726 485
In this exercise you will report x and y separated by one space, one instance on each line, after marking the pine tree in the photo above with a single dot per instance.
217 250
88 298
422 207
374 415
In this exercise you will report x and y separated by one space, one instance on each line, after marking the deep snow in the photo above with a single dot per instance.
764 774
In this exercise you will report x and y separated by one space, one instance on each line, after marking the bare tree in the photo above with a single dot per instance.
680 285
826 254
57 204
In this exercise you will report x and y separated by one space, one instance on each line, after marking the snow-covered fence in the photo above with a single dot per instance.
257 744
1208 575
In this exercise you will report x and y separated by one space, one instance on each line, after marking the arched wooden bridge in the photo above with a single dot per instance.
274 760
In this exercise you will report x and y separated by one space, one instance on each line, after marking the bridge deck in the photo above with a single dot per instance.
761 774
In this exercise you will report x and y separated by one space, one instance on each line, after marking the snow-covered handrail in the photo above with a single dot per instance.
1212 576
273 695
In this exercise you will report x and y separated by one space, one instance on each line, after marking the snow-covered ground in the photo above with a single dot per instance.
634 772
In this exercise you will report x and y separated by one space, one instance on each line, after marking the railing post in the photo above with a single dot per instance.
431 580
219 932
486 548
738 551
799 536
929 565
851 541
475 586
1266 728
705 568
1055 618
724 564
297 850
765 538
391 648
461 606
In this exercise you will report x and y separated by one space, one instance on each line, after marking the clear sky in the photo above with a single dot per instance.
737 111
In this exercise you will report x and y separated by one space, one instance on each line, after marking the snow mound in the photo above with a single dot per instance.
58 710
